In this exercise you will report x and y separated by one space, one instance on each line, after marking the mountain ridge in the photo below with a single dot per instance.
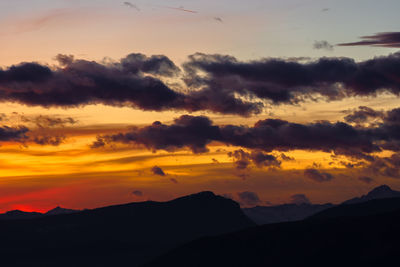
360 239
296 212
115 235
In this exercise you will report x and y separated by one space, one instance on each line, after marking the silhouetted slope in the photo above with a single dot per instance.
379 192
345 241
23 215
123 235
294 212
372 207
283 213
59 210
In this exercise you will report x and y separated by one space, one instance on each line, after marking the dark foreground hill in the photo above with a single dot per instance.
124 235
364 239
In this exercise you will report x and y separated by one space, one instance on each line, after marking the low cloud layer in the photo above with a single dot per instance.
196 132
357 143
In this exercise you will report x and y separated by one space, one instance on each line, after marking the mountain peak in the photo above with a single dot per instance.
201 195
15 212
207 194
383 189
58 210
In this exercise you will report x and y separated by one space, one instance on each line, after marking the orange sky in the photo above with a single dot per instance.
74 175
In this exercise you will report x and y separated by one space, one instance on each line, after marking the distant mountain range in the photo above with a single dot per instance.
23 215
283 213
296 212
361 234
259 214
123 235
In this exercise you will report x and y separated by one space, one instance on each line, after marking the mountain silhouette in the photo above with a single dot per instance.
379 192
122 235
283 213
23 215
295 212
19 215
59 210
359 209
358 240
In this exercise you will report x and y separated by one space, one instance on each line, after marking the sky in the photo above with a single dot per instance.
106 102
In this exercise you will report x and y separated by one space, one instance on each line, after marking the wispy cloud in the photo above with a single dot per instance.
131 5
180 9
218 19
383 39
37 22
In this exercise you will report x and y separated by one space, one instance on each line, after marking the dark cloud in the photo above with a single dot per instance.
215 83
299 199
157 65
382 39
366 179
134 81
41 121
318 176
86 82
137 193
280 81
248 198
267 135
18 134
363 114
100 142
286 158
385 166
243 159
187 131
25 73
64 60
49 140
323 45
358 143
158 171
215 161
174 181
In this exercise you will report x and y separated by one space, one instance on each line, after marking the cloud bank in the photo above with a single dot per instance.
213 83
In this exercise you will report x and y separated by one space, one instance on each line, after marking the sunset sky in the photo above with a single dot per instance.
106 102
